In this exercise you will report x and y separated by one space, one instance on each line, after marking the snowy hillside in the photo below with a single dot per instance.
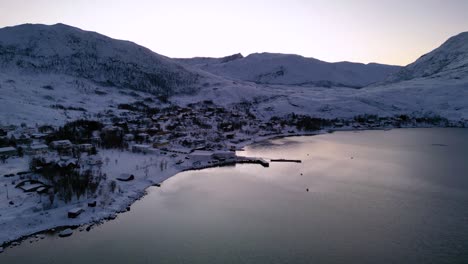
54 74
449 61
61 49
270 68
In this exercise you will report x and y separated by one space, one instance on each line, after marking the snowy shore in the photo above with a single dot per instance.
26 218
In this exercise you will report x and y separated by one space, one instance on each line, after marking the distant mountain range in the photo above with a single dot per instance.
290 69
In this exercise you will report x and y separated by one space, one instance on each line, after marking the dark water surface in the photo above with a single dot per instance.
398 196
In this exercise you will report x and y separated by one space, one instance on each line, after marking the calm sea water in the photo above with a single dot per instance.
398 196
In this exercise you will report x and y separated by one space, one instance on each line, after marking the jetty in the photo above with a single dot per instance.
286 160
233 162
262 162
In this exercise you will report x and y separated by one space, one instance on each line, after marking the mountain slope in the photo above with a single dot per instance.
62 49
449 61
271 68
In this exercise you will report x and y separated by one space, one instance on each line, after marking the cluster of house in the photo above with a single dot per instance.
28 141
199 126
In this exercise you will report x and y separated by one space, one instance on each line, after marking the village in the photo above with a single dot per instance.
89 170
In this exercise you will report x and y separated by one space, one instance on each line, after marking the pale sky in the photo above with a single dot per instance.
383 31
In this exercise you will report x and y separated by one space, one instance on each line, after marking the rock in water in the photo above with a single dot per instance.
65 233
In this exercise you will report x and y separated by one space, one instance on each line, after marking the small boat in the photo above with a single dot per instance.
126 177
66 233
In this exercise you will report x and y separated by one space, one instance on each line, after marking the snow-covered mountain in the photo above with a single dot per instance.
272 68
449 61
54 74
62 49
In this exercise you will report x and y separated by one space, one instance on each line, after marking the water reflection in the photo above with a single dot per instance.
374 196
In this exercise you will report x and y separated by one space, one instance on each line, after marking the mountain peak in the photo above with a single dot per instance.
450 60
63 49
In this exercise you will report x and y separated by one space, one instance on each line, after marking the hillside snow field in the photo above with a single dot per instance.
54 74
448 62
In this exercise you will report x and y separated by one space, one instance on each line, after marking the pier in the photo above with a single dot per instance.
262 162
286 160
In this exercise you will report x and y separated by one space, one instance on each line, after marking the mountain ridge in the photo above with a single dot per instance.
62 49
293 69
53 74
450 60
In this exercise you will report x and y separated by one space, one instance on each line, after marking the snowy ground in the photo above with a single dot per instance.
29 213
30 98
23 99
445 98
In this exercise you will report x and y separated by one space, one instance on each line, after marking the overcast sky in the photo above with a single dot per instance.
384 31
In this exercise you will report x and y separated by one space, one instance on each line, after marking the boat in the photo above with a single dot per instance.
66 233
126 177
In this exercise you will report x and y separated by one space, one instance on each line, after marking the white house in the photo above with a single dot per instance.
38 149
61 144
141 148
8 151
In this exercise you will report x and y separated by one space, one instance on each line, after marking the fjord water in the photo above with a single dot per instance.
398 196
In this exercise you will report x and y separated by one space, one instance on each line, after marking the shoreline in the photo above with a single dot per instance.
124 205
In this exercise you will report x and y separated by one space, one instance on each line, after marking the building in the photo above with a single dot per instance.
143 137
160 143
61 144
8 151
139 148
37 149
85 147
94 160
223 155
128 137
63 147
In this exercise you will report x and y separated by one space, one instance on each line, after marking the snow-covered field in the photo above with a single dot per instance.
419 96
30 214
